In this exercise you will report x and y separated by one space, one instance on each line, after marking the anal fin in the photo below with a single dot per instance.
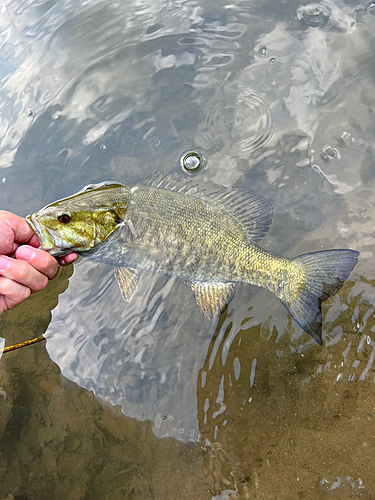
127 280
212 297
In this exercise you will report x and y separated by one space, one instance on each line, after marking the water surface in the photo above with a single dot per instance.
149 399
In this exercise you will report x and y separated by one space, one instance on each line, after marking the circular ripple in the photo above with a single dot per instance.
238 120
314 14
329 153
328 16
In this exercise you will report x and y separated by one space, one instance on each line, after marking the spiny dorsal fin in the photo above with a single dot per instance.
252 210
153 179
127 280
212 297
249 208
172 183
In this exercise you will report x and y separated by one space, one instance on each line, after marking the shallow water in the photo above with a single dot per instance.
149 399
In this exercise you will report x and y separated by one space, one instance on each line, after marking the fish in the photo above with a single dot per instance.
210 241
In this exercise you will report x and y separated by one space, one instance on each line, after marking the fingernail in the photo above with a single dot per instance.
26 253
4 263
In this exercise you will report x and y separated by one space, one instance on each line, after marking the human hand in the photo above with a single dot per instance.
24 268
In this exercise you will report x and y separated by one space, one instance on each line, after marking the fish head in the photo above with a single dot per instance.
81 222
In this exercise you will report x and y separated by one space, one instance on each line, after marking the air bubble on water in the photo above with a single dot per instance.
29 112
191 161
346 137
103 146
306 99
263 51
313 14
329 153
272 60
57 115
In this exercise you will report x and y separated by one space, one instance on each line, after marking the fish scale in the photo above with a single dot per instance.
166 225
191 234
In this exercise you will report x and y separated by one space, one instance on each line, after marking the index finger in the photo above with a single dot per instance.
13 229
41 260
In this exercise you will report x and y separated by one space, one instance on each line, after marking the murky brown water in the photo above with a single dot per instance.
148 400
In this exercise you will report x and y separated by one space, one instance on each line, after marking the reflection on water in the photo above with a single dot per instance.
277 97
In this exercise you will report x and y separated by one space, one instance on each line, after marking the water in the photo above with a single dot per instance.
149 399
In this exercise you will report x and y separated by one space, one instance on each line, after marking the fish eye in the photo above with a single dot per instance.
64 218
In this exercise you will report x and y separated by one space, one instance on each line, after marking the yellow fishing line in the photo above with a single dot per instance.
22 344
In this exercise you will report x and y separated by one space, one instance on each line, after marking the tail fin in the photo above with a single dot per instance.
325 273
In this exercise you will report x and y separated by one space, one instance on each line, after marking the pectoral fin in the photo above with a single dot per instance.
212 297
127 280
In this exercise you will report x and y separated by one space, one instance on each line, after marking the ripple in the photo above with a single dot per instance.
327 15
329 153
367 6
314 14
238 119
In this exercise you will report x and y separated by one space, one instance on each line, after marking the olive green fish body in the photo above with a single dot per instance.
181 235
208 240
191 238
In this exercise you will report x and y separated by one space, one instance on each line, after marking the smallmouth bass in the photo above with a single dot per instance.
208 240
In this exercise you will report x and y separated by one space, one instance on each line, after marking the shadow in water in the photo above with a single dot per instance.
274 415
57 440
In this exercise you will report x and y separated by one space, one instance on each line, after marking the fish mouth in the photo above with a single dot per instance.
34 224
46 239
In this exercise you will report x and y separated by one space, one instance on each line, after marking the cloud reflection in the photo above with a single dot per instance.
262 91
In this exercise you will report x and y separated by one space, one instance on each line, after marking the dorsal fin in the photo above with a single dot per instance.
172 183
249 208
252 210
155 179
